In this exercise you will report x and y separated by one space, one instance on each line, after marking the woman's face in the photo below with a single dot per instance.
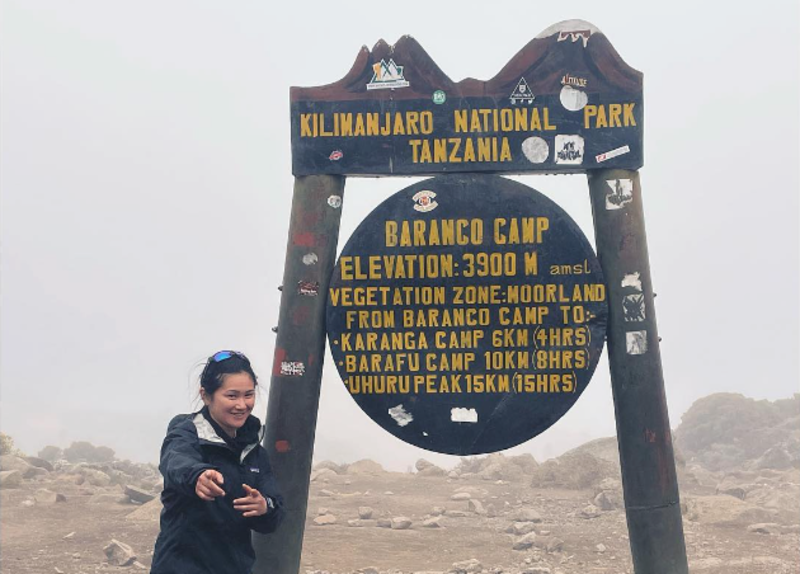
231 404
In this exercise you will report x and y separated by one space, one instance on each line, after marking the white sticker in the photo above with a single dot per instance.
636 342
335 201
387 76
310 259
293 368
572 99
400 415
632 280
535 149
522 93
569 149
463 415
424 201
612 154
620 193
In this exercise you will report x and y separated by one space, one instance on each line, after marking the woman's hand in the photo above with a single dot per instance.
208 485
252 504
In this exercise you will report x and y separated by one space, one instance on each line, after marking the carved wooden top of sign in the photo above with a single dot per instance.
565 103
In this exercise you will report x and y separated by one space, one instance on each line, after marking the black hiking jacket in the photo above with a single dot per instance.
211 537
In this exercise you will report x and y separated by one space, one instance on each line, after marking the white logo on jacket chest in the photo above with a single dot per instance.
254 469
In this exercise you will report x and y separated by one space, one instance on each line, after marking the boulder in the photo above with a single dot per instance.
45 496
10 478
137 494
39 463
366 466
330 465
11 462
724 509
95 477
322 475
607 500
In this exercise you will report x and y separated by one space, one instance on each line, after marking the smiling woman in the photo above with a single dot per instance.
218 485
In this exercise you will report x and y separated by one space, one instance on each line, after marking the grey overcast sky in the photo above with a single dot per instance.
146 186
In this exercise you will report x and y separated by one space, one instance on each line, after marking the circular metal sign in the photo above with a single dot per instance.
466 314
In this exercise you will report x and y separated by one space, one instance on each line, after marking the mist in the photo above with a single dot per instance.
145 191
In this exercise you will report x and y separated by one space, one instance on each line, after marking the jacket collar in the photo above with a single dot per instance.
207 434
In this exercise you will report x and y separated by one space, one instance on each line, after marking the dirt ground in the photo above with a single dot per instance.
69 537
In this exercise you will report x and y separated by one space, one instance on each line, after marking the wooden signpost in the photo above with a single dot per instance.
467 313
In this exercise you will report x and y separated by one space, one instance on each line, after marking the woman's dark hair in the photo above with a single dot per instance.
224 363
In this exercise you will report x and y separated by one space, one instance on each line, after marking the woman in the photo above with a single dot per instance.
218 485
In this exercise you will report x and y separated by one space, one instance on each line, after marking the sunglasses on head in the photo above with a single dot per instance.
223 355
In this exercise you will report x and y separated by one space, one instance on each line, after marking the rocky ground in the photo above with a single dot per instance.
491 514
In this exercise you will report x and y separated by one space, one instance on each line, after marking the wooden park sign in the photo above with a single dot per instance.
564 104
467 313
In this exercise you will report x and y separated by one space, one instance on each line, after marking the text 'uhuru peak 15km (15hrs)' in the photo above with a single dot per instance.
466 314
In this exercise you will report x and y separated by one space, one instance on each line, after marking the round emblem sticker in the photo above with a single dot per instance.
439 97
471 327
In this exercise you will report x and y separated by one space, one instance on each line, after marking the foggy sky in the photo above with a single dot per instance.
145 189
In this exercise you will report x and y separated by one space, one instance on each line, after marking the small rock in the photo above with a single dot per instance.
471 566
401 523
476 507
525 542
27 503
590 511
536 570
325 520
601 548
456 513
438 510
70 535
528 515
360 523
522 528
432 522
384 523
322 511
461 496
606 501
554 545
368 570
119 553
365 512
328 493
764 528
139 566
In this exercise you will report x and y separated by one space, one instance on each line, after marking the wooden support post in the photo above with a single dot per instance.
297 369
649 478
